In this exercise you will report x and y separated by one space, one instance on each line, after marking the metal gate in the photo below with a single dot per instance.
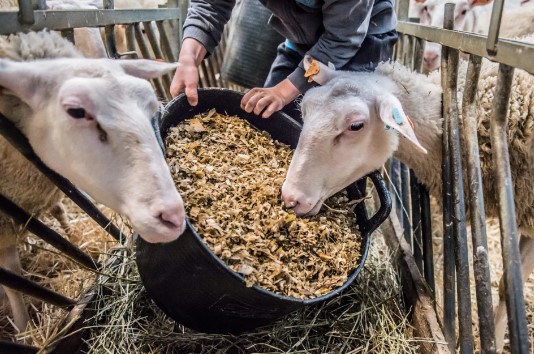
413 203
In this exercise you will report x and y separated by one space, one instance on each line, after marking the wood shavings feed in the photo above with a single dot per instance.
230 175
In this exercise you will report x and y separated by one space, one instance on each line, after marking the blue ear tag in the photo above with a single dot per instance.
397 116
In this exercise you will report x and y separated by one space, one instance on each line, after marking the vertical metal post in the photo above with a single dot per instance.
405 185
416 221
26 16
426 230
449 272
110 33
130 39
495 26
395 186
513 283
465 338
476 207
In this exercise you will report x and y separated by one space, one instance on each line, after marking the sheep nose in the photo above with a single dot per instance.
430 58
289 201
173 216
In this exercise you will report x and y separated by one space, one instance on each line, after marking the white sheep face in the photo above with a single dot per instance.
342 140
90 122
432 13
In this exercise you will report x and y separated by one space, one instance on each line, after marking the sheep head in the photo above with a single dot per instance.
432 13
349 130
90 122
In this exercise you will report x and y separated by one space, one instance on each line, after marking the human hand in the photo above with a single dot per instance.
269 100
186 76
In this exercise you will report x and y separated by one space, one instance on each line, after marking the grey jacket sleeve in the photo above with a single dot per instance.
345 27
205 21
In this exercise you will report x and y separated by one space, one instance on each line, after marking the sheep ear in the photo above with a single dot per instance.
22 79
146 69
317 71
391 113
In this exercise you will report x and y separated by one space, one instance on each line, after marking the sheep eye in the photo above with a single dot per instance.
464 12
76 113
356 126
425 9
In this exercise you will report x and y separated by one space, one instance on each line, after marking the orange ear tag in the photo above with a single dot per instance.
312 70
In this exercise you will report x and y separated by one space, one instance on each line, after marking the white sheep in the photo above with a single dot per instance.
88 39
89 120
345 136
473 16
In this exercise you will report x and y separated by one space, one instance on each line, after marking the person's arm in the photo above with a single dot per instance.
202 32
345 27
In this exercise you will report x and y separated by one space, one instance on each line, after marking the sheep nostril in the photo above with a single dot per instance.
290 205
171 220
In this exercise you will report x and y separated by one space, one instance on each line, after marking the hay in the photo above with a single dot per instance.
369 318
43 264
230 175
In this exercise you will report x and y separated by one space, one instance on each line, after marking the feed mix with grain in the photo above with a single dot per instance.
230 175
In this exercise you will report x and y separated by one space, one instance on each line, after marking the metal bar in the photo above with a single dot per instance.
416 221
465 337
403 10
8 347
418 55
165 44
153 40
146 54
44 232
426 231
25 14
20 142
405 185
395 186
64 19
513 284
495 26
109 30
23 285
512 53
449 271
129 32
481 267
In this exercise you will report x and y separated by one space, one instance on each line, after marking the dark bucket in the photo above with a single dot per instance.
251 45
192 285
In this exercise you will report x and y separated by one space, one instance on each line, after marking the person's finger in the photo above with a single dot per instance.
249 107
191 93
177 86
262 103
250 93
273 107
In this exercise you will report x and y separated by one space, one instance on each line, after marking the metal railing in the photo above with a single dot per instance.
28 19
414 205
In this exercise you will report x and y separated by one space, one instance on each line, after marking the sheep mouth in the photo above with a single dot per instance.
313 211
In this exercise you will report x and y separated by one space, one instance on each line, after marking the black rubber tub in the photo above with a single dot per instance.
192 285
